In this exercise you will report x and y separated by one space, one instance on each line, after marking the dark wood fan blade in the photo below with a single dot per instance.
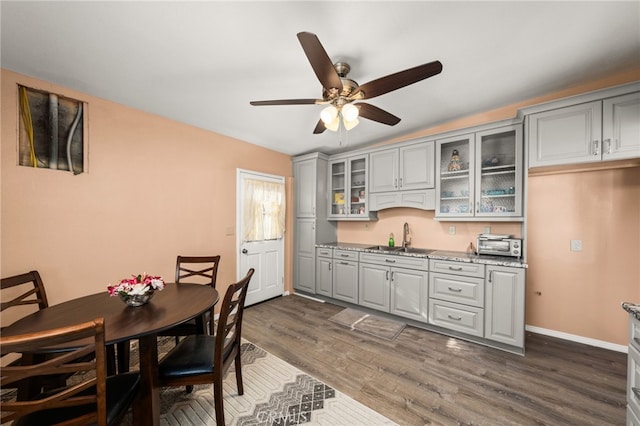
376 114
320 61
288 102
319 128
400 79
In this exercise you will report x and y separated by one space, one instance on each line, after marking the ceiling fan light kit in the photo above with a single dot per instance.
341 93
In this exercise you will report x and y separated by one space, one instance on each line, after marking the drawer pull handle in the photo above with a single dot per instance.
344 255
390 260
458 268
457 290
344 263
636 391
454 317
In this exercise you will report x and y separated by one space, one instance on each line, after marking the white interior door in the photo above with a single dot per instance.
260 240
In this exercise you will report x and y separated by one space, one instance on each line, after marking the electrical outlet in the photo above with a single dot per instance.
366 226
452 230
576 245
487 229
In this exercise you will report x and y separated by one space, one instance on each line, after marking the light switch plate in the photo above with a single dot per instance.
452 230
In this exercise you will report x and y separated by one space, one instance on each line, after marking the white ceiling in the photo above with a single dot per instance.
202 62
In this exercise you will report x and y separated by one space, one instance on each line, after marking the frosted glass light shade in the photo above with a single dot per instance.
350 112
329 114
333 124
351 123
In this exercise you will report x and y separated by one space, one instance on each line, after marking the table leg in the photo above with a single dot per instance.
147 410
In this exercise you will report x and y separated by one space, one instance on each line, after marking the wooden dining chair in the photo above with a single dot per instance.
195 270
21 293
203 358
90 397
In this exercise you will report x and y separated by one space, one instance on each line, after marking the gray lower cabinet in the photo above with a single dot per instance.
374 286
305 256
456 296
324 272
394 284
504 305
345 276
410 293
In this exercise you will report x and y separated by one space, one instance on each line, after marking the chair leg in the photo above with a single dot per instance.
218 398
238 367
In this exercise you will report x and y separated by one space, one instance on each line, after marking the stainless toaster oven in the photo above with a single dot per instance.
499 245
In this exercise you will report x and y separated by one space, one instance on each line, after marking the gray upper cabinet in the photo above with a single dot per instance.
402 169
587 132
348 193
402 177
307 189
480 174
621 127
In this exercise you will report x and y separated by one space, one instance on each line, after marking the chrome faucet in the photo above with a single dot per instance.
405 233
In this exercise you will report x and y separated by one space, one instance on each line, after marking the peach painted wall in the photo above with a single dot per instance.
581 292
154 188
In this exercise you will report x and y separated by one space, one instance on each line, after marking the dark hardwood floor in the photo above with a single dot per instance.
426 378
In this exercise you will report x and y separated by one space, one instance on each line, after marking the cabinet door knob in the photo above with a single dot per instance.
244 251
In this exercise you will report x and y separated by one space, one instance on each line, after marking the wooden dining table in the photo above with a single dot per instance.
176 304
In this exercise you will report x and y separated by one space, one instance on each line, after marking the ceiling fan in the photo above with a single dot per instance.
343 95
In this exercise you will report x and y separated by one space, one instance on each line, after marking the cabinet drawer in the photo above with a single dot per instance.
634 333
345 254
421 263
466 319
324 252
458 268
458 289
633 380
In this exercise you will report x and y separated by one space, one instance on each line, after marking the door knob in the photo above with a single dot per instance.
244 251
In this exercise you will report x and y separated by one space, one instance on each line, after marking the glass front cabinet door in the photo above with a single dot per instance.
480 174
498 164
348 193
455 168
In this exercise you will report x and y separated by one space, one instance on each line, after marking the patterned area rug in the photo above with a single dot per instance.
371 324
275 393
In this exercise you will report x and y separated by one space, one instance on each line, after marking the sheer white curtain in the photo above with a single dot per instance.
264 212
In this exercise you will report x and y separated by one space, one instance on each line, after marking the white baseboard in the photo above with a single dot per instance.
578 339
308 297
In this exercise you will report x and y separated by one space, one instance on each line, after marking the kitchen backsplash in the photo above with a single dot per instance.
425 232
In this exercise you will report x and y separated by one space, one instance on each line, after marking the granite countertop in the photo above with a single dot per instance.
632 309
458 256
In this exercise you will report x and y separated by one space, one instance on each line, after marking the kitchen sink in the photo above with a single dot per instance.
414 250
402 249
383 248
